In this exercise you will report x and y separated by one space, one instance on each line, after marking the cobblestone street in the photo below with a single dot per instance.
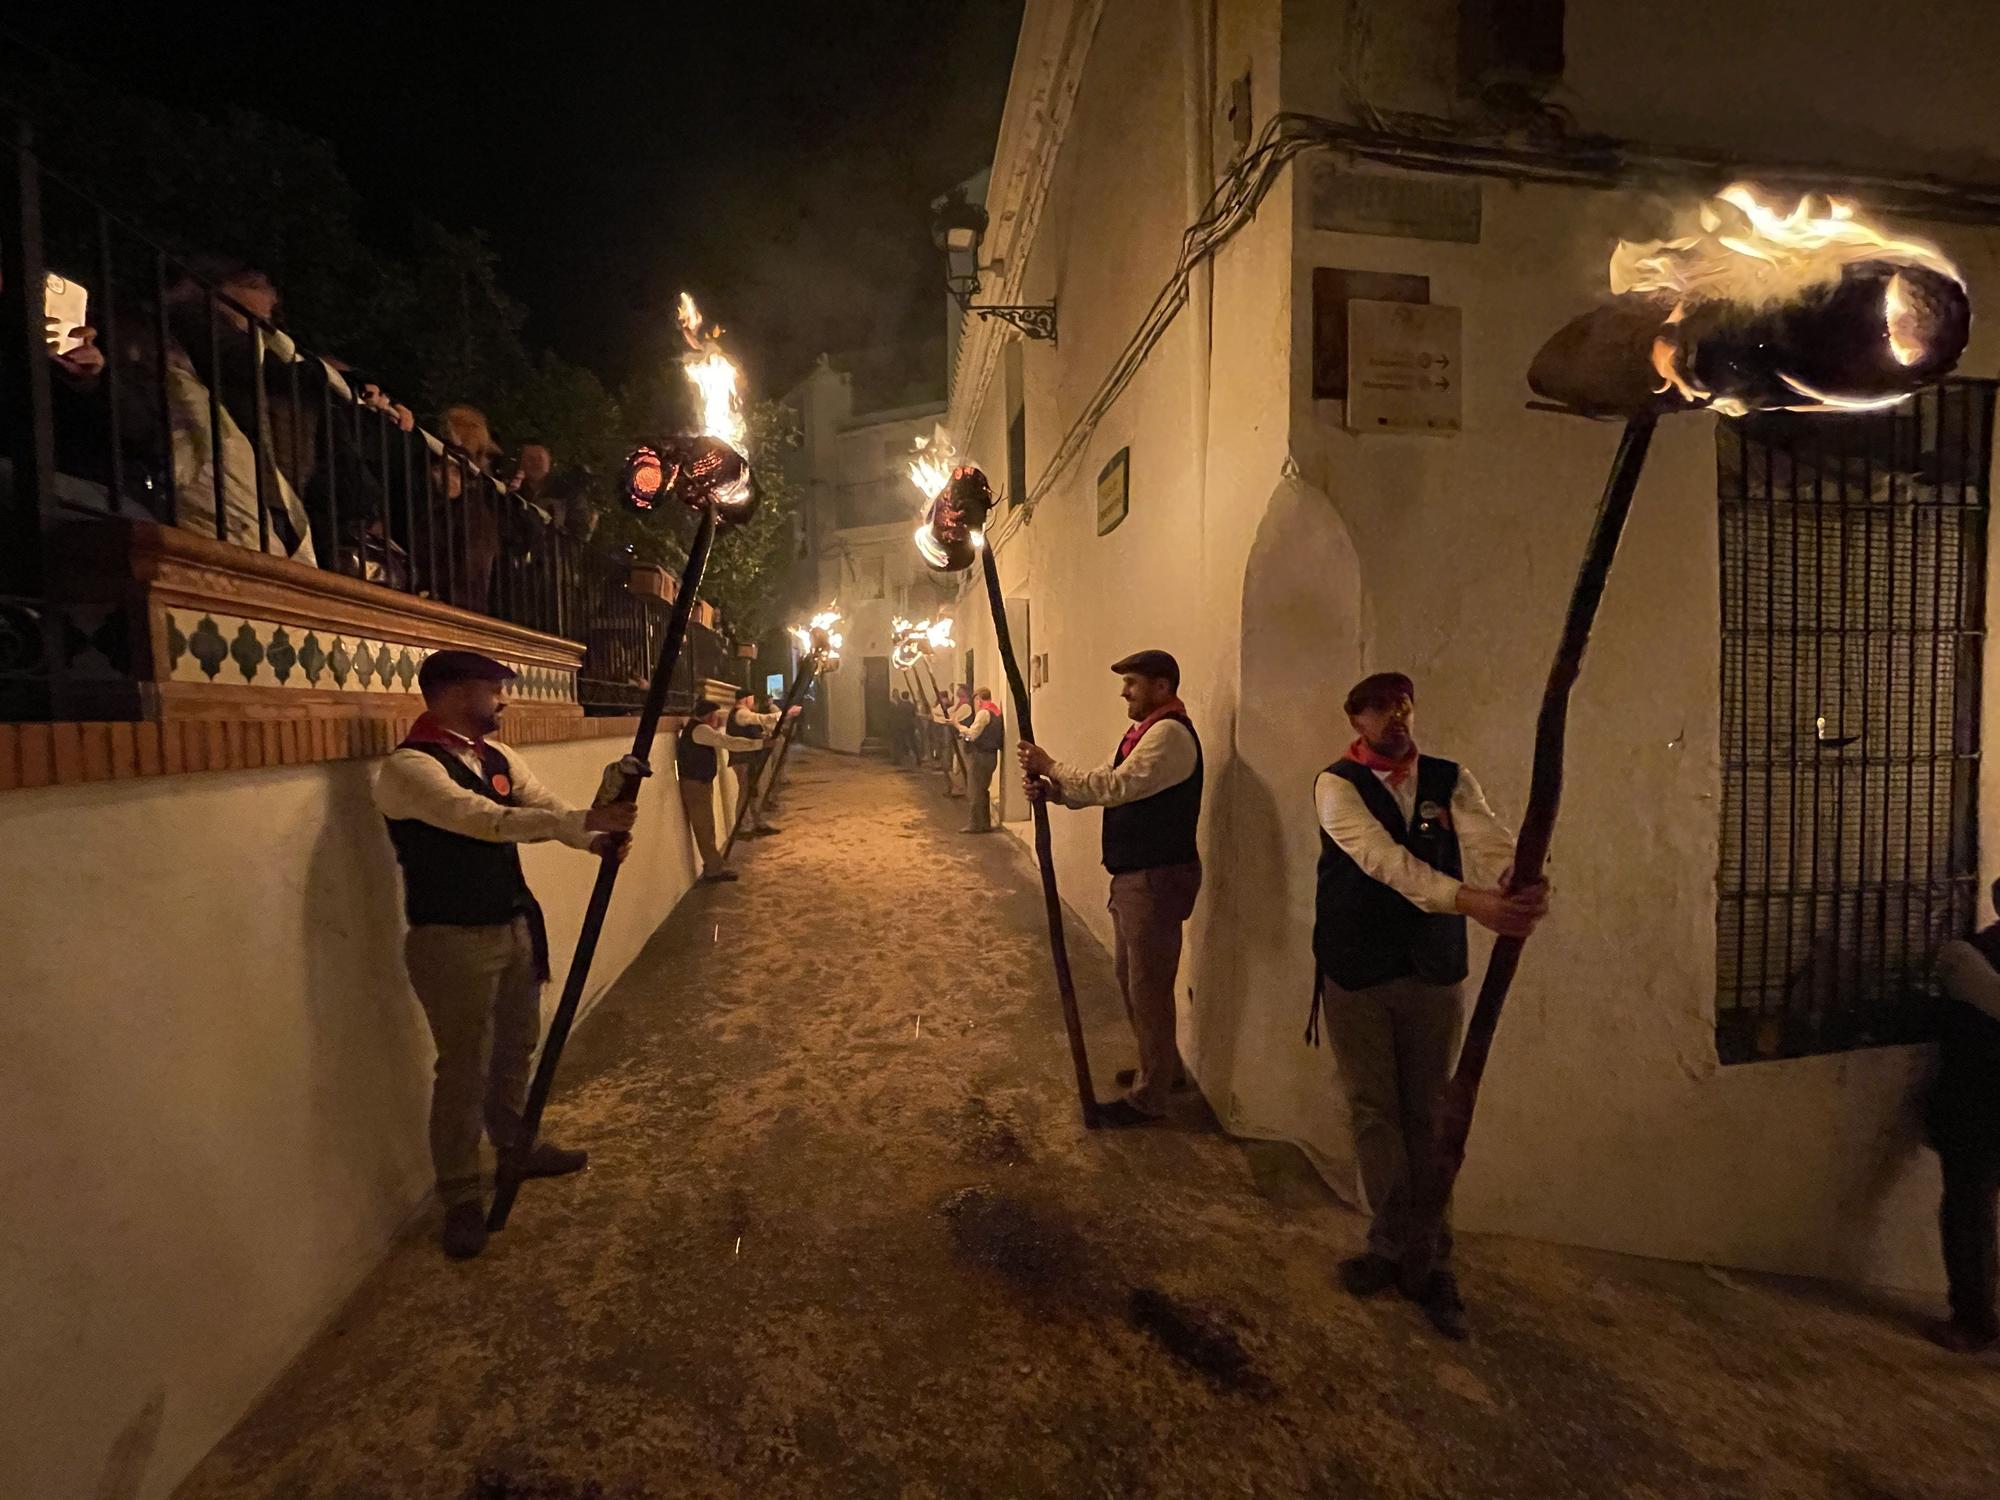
843 1236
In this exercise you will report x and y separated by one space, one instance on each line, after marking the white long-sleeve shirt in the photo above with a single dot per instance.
1485 843
715 739
1967 977
411 784
1164 757
766 722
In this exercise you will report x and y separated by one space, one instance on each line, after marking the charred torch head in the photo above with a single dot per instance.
700 471
1811 310
953 527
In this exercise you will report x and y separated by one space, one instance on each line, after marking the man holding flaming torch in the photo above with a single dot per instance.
745 723
984 735
459 806
696 762
1150 791
1395 830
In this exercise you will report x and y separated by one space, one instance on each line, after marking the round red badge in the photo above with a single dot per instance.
501 784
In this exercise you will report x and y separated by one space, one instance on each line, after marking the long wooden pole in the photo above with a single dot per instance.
506 1187
789 731
952 741
1432 1192
1044 852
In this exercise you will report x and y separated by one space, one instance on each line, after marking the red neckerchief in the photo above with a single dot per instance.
989 706
1138 731
1395 772
427 731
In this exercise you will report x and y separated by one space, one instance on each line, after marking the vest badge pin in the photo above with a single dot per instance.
502 783
1431 812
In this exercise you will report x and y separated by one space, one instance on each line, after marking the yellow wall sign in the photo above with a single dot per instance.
1114 491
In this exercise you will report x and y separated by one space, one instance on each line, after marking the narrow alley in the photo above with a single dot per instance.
842 1236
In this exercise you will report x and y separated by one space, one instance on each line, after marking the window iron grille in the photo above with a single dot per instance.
1853 559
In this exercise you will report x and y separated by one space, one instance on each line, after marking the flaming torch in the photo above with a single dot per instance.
707 472
951 538
819 647
1760 310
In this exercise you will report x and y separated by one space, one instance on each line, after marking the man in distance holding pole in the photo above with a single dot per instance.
984 738
1389 952
696 762
745 723
1150 791
458 804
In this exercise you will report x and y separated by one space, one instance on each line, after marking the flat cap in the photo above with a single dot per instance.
1151 664
443 667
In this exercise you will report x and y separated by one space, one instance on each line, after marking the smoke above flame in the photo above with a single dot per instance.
716 380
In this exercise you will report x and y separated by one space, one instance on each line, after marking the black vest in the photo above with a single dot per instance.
744 727
994 735
1160 829
1366 933
694 762
457 881
1964 1109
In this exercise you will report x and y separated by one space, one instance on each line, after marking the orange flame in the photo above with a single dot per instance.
1749 253
714 376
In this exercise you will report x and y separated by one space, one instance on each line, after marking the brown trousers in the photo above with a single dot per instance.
698 801
1395 1044
479 992
1147 910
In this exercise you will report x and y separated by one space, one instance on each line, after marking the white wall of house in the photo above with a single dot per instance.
209 1041
1280 557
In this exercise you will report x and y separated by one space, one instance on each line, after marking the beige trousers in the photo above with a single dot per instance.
1395 1044
479 992
1147 910
698 801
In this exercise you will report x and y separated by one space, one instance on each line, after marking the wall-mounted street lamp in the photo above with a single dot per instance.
957 227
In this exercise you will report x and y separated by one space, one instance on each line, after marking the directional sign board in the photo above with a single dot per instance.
1403 367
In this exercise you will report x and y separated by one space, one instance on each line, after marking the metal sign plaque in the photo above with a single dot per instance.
1411 208
1403 367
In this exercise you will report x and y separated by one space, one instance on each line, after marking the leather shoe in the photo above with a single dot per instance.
1442 1304
1126 1076
543 1159
464 1230
1365 1275
1123 1114
1962 1338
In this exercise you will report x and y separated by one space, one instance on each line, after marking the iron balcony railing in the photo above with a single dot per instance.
206 414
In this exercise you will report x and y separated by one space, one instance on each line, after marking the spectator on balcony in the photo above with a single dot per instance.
466 479
555 491
213 350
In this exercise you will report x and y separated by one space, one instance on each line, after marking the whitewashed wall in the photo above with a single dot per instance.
1607 1119
213 1085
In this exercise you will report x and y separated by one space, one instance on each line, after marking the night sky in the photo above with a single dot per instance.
775 158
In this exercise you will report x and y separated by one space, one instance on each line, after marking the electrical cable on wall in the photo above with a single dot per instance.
1595 162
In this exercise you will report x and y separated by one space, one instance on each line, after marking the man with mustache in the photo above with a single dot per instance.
1396 831
458 805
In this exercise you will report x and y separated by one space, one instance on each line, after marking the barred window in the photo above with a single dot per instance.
1853 623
